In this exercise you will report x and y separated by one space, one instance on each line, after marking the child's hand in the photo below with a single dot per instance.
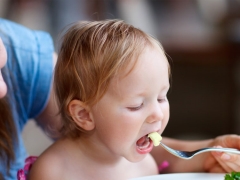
220 162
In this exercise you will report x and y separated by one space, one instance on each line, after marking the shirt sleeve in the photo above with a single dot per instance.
29 69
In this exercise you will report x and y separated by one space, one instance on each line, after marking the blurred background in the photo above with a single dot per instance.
202 42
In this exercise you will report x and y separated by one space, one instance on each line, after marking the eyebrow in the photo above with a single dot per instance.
142 93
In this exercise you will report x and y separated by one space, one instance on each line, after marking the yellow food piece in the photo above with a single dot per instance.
155 137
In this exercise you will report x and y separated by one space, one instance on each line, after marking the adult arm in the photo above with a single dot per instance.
49 119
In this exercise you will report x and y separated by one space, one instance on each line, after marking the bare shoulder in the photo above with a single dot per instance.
49 165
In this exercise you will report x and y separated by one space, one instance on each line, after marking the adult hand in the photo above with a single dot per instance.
219 162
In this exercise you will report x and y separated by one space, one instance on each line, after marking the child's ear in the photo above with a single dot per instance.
80 114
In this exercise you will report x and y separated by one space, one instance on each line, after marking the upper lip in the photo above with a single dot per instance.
158 131
157 128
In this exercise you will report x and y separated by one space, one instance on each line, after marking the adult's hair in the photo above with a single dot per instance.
7 134
91 54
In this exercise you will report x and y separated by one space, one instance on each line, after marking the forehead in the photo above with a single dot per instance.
150 57
150 69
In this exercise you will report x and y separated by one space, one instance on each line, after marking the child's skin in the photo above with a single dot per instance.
111 140
133 106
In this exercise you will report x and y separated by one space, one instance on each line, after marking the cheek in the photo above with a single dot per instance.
129 127
115 126
166 110
119 121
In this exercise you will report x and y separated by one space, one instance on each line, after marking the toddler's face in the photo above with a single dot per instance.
134 106
3 60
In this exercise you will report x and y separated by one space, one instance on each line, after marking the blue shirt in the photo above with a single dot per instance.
28 74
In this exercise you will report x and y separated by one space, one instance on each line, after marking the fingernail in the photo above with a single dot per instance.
225 156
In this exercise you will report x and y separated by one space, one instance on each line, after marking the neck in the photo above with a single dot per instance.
97 152
87 158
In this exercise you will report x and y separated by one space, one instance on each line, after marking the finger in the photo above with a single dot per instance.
229 162
224 165
232 161
209 162
217 155
232 141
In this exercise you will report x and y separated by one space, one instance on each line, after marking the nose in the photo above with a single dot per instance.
156 113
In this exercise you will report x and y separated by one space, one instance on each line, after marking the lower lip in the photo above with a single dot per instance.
146 150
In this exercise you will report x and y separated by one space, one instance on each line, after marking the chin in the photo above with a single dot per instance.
136 158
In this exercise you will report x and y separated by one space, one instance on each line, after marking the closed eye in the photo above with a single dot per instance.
135 108
162 99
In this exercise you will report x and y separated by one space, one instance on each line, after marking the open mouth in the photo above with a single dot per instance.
144 142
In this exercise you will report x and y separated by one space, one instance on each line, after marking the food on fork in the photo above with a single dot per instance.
155 137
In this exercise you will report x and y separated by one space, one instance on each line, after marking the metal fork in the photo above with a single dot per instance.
190 154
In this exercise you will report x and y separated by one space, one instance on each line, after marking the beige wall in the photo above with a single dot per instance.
34 139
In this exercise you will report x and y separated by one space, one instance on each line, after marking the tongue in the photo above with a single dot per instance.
143 142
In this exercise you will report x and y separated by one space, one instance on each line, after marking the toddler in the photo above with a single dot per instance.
111 81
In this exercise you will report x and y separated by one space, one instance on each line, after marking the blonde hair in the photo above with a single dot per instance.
91 54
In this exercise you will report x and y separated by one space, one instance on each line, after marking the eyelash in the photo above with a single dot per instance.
139 107
135 108
162 100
